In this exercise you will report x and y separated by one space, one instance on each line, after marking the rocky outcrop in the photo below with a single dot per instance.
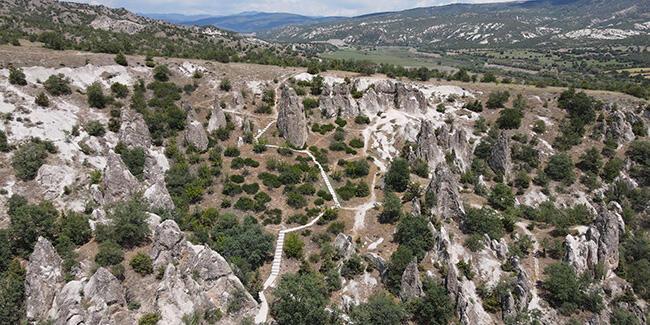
217 119
292 122
196 136
410 99
377 262
499 159
411 286
43 280
53 179
134 131
344 245
118 182
444 188
158 196
369 104
168 243
618 128
523 286
212 283
67 308
106 298
433 144
337 100
599 244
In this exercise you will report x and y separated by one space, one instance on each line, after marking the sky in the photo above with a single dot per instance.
305 7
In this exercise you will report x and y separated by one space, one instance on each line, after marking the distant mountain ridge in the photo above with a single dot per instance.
515 24
253 22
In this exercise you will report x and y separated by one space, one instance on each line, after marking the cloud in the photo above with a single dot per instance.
306 7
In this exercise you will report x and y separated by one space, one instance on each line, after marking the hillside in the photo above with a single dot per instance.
535 23
170 191
255 22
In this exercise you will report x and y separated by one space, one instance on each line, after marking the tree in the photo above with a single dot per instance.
397 176
121 60
17 76
12 294
142 264
396 266
414 233
28 222
357 168
96 96
381 309
109 253
161 73
484 221
58 85
129 222
591 161
75 226
435 308
300 300
560 168
510 119
293 245
501 197
29 158
392 208
497 99
119 90
562 285
95 128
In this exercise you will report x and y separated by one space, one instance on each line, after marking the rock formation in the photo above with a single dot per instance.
433 144
410 99
134 131
292 122
158 196
618 128
444 188
599 244
499 159
196 136
118 182
411 286
105 296
344 245
217 119
337 100
43 280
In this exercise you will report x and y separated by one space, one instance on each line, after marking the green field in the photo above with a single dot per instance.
392 55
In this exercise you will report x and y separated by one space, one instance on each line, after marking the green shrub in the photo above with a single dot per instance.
149 319
357 168
121 60
510 118
397 176
474 106
96 96
484 221
381 308
225 85
17 76
75 226
142 264
42 100
296 200
392 208
134 159
119 90
497 99
57 85
95 128
231 152
109 253
501 197
310 103
29 157
161 73
560 168
293 245
129 226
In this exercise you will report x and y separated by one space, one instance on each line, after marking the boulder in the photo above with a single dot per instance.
344 245
158 196
168 243
67 308
118 182
337 100
217 119
618 128
599 244
377 262
411 286
444 188
410 99
105 296
292 122
53 179
134 131
196 136
499 159
43 280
